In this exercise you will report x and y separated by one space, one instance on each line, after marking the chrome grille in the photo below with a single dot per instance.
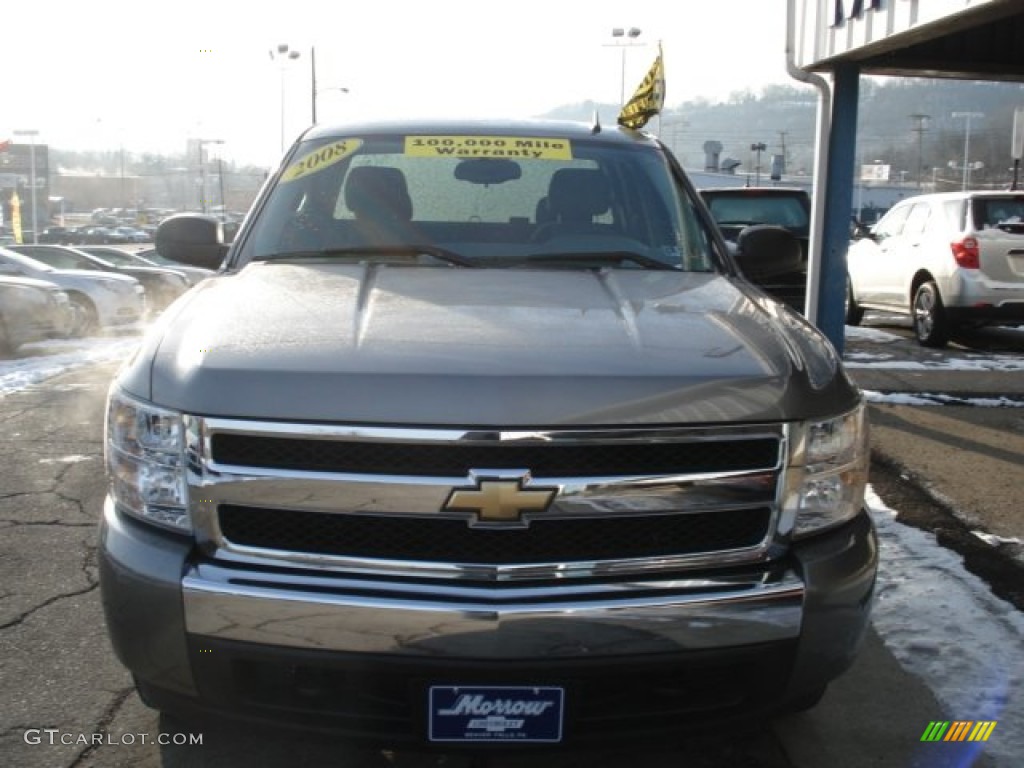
593 459
559 540
373 500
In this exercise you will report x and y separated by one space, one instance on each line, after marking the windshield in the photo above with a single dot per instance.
111 257
1005 213
780 210
21 260
65 259
481 201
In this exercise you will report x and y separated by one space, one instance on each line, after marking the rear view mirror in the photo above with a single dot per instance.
487 170
859 230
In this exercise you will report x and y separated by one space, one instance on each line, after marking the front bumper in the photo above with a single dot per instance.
353 655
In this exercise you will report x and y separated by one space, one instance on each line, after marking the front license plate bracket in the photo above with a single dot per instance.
495 714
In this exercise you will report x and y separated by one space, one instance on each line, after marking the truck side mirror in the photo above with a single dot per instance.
192 239
765 250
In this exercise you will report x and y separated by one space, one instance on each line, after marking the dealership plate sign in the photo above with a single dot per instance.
496 714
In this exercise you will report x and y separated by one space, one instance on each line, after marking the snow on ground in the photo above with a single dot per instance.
927 398
944 625
43 360
944 360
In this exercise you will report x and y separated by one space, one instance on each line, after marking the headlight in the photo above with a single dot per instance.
146 461
828 471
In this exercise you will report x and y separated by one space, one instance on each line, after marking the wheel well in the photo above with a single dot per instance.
922 276
80 296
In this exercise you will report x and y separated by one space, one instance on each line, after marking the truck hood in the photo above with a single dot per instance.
438 346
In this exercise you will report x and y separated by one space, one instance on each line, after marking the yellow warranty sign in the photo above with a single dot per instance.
530 147
321 158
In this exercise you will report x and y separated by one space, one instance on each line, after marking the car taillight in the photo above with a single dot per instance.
967 253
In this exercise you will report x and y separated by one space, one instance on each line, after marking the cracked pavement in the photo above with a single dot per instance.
51 626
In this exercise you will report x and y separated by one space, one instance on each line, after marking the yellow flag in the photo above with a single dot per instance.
16 217
648 99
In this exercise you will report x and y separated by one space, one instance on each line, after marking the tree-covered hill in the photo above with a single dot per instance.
903 123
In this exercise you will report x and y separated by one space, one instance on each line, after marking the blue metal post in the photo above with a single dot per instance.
831 317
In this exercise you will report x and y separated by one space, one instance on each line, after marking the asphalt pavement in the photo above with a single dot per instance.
956 467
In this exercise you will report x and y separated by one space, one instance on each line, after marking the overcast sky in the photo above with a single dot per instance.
147 75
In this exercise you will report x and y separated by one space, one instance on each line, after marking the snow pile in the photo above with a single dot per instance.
945 626
929 398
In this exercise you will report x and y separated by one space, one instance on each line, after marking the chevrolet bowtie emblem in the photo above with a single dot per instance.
499 500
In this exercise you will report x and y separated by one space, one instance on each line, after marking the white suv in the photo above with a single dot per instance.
948 260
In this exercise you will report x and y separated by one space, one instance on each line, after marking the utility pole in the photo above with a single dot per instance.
759 147
967 142
919 128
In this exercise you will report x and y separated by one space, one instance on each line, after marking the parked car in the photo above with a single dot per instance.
101 300
947 260
736 208
131 234
481 435
32 310
162 285
100 235
146 258
60 235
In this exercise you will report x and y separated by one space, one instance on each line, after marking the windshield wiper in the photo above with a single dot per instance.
603 257
371 251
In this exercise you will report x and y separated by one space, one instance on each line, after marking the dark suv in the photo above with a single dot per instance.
736 208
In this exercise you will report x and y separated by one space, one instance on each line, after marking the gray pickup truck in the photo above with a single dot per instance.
481 437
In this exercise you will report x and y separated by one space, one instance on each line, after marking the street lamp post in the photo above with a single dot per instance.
977 165
919 128
220 183
759 147
32 133
632 33
312 81
283 54
967 142
202 171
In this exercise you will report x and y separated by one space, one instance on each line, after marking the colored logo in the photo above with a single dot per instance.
500 500
958 730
